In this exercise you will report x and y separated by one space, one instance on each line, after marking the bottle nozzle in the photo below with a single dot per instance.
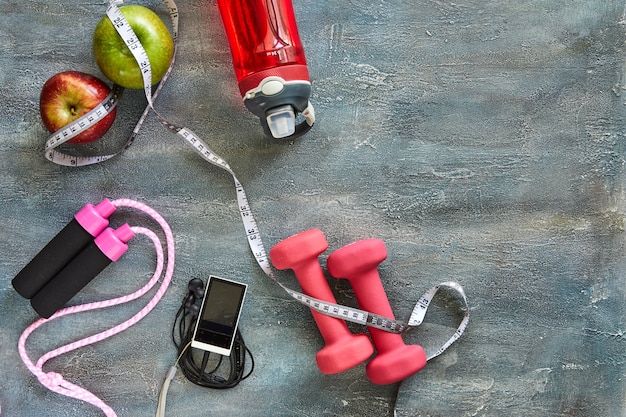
281 121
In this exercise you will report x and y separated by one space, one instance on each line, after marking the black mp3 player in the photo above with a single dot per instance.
219 315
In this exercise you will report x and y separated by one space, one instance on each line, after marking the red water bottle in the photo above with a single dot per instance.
269 63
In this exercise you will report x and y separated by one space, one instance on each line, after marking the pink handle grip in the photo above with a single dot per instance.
112 242
343 349
358 263
94 219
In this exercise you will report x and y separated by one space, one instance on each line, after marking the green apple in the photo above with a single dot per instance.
116 60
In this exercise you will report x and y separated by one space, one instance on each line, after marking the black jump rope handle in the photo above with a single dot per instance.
87 224
108 247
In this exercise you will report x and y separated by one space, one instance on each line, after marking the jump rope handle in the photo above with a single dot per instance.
358 263
106 248
343 349
87 223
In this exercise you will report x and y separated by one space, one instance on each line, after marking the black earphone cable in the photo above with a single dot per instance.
187 357
194 366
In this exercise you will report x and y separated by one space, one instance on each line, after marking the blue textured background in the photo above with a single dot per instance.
483 141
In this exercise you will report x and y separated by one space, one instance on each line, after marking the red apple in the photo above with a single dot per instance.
69 95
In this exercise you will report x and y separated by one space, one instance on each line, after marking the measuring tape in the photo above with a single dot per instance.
252 232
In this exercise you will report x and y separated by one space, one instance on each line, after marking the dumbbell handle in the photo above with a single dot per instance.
371 296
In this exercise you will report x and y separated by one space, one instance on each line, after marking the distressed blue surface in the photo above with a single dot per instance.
483 141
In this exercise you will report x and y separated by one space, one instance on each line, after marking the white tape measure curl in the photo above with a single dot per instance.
252 232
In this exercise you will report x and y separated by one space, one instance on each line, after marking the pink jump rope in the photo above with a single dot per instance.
55 381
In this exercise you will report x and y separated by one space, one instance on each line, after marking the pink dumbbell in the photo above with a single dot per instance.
358 263
343 349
